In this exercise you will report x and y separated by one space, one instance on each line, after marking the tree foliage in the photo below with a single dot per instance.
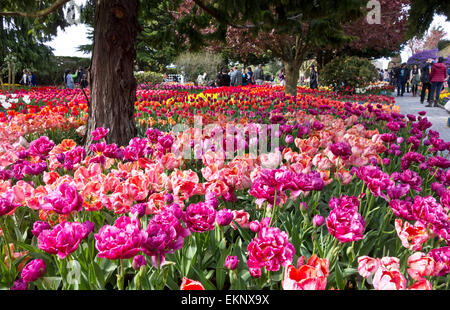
289 30
422 13
375 40
193 64
348 73
433 37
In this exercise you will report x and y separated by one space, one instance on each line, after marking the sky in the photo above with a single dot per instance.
66 42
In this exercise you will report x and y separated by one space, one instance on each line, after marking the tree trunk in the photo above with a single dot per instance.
292 69
112 83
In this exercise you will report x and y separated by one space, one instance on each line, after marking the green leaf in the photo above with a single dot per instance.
100 277
350 271
244 233
51 283
339 279
171 284
206 283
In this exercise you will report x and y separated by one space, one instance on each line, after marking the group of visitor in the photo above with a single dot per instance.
79 77
246 76
431 77
28 78
240 77
383 75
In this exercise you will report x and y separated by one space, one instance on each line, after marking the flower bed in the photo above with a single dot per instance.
349 195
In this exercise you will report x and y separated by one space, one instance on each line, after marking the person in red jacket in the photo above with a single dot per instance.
437 77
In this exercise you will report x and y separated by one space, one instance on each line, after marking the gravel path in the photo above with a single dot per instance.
437 116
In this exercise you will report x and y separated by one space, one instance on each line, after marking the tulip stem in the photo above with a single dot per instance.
121 278
274 209
6 235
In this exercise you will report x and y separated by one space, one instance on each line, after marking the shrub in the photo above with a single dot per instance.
148 77
421 57
348 73
193 64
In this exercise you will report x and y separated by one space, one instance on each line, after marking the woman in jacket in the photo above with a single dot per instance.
69 78
437 77
415 79
282 77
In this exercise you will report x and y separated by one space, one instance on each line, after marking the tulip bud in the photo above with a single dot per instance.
303 206
168 198
289 139
231 262
351 253
318 220
224 217
139 209
138 262
20 285
255 272
254 226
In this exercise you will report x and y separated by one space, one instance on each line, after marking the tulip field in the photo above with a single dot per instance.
229 188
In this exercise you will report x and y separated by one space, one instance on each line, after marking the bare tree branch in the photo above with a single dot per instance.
42 13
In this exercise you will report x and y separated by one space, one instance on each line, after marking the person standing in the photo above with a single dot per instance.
69 79
425 79
415 79
239 77
400 75
392 76
437 77
259 75
313 78
80 73
282 77
250 76
231 75
33 80
24 79
386 75
244 77
448 80
84 79
226 78
236 77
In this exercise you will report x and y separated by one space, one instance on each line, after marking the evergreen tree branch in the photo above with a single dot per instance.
42 13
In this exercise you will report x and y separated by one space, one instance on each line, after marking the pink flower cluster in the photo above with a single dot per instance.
99 133
386 275
271 249
425 210
310 276
200 217
64 200
120 241
344 222
375 179
30 273
277 181
164 234
63 238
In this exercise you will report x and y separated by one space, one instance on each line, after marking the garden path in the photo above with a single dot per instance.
437 116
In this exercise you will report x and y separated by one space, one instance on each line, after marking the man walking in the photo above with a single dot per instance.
259 75
425 79
401 79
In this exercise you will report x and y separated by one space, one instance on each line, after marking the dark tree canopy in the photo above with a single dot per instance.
422 13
